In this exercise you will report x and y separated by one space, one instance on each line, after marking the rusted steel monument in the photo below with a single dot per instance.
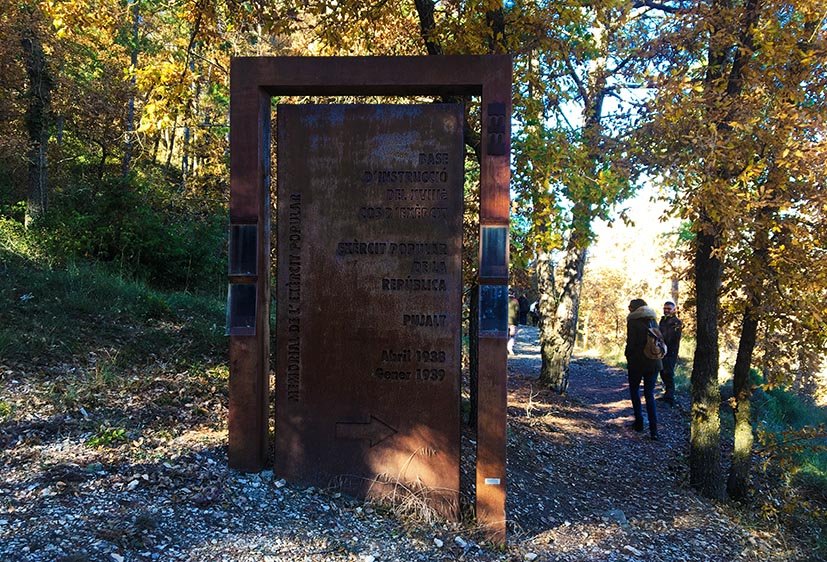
369 284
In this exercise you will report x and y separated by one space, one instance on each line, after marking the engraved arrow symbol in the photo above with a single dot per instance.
374 431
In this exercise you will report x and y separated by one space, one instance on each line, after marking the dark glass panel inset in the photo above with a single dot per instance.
241 309
493 261
494 309
243 249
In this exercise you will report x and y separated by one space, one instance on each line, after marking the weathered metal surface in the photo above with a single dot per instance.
253 80
491 431
369 287
249 348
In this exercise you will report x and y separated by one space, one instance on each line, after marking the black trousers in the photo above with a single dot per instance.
667 375
649 380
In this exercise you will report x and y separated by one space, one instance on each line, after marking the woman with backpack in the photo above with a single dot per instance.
641 367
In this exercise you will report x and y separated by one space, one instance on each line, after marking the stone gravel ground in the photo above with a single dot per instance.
581 487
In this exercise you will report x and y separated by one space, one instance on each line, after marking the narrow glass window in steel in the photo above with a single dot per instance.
494 309
241 309
243 249
493 262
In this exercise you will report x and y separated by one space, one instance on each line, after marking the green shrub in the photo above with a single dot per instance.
792 429
780 409
107 437
137 230
5 410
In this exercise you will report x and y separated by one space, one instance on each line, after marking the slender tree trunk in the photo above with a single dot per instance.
676 293
171 144
185 159
39 96
129 122
738 482
705 425
560 303
739 470
102 163
558 315
427 25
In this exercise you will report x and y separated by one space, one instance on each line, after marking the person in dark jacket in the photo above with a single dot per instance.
640 319
670 326
513 320
524 306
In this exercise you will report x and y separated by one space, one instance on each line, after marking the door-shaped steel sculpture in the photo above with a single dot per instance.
369 298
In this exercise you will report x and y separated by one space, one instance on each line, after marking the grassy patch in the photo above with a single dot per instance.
107 437
5 410
80 309
794 429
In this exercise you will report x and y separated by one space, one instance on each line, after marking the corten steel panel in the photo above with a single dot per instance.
369 284
250 204
395 76
491 430
443 75
495 175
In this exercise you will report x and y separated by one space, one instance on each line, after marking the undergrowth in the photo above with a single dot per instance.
137 227
83 307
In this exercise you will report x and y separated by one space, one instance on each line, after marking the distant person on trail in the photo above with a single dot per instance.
524 306
670 326
640 319
513 319
534 313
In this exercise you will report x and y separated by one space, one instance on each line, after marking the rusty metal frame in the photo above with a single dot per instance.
253 80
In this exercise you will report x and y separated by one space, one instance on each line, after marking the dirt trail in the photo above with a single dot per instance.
585 486
581 485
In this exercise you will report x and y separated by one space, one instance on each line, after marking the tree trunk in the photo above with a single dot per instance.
102 163
705 426
129 122
39 96
738 483
676 293
739 470
171 143
558 315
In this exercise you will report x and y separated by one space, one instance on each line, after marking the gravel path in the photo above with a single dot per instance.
581 485
585 486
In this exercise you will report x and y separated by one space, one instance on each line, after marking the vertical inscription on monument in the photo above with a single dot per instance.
294 297
368 299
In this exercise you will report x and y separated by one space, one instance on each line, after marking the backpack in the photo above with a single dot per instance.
655 347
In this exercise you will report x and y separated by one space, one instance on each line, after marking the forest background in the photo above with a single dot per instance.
114 158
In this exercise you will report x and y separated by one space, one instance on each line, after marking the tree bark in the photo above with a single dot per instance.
129 121
739 470
676 292
427 25
738 482
171 143
705 426
558 315
39 96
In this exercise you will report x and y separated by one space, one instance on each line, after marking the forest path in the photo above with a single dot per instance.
584 486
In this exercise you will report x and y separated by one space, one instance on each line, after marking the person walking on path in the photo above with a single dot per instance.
513 319
641 318
524 306
670 326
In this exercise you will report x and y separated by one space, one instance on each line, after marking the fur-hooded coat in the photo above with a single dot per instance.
637 326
